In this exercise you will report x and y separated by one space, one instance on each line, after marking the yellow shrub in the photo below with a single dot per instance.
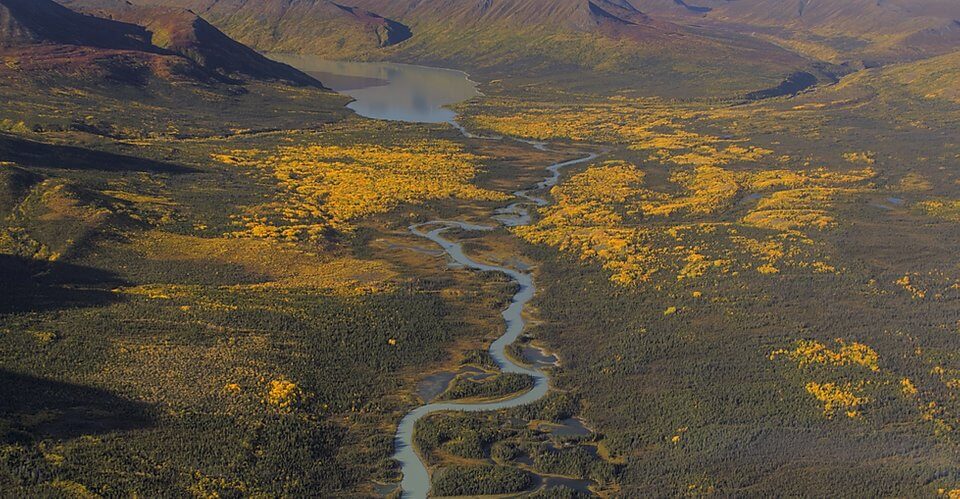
907 387
809 352
836 397
283 394
946 209
860 157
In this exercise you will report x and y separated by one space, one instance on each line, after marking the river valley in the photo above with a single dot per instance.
419 94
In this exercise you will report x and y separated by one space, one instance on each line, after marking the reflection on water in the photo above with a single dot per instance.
432 386
571 427
390 91
385 489
537 357
581 486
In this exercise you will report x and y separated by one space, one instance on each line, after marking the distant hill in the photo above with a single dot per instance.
934 78
306 26
135 44
29 22
184 33
694 46
872 30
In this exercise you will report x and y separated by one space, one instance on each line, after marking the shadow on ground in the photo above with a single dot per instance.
40 155
28 285
34 408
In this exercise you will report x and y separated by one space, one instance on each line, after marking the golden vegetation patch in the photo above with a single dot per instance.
865 157
281 264
837 397
915 182
848 376
607 214
618 224
810 352
802 199
945 209
793 209
908 388
329 187
283 394
640 124
907 283
708 190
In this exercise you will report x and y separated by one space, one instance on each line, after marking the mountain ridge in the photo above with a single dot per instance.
121 42
182 32
311 26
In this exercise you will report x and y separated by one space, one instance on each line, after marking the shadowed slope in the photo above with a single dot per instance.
177 45
184 33
27 22
68 410
885 31
311 26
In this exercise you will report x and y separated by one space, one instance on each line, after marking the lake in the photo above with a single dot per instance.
388 90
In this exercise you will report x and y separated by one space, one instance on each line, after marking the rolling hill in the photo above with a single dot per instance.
874 31
29 22
137 44
184 33
312 26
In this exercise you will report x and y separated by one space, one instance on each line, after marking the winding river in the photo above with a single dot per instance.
416 477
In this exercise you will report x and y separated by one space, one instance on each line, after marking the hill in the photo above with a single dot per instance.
184 33
934 81
938 77
313 26
29 22
42 37
874 31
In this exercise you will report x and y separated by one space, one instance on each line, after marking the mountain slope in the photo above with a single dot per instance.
934 78
27 22
888 30
136 44
186 34
309 26
857 31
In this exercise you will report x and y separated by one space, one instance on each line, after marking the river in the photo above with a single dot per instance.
416 478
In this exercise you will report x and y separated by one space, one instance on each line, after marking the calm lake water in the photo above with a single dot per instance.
390 91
